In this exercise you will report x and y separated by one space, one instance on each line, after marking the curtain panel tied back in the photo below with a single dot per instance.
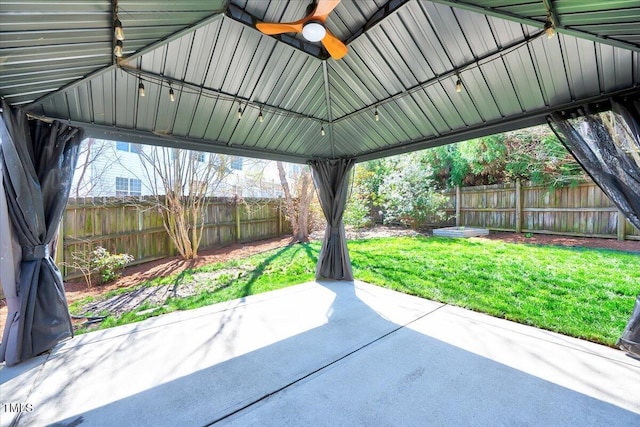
331 178
38 161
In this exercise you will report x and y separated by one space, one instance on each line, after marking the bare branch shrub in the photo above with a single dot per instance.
182 181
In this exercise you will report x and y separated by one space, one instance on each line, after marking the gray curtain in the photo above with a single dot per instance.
331 178
9 264
609 151
38 161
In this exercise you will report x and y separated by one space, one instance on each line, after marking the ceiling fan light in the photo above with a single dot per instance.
314 31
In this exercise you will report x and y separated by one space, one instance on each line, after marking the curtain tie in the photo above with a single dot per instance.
32 253
335 231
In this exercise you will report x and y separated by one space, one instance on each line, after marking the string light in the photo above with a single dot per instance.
261 117
458 83
376 115
117 30
322 132
117 50
141 89
172 96
549 28
239 112
119 33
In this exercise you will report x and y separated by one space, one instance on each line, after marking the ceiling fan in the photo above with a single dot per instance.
312 28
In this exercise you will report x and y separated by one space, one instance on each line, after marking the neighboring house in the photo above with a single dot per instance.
114 168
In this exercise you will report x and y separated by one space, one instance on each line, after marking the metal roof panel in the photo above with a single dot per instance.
404 60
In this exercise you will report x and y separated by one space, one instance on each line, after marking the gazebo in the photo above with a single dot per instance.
329 84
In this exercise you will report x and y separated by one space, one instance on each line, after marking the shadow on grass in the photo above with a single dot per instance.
245 284
260 269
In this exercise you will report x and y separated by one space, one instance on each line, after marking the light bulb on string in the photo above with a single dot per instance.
376 115
261 117
172 96
322 132
459 86
549 29
239 112
117 29
141 89
117 50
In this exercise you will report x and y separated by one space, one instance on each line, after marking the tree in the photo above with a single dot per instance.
364 198
409 195
92 151
536 155
533 154
298 209
181 181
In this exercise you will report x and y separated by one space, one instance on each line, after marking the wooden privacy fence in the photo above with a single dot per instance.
583 211
134 226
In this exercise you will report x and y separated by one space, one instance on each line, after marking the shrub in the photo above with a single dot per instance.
357 213
409 195
98 266
107 266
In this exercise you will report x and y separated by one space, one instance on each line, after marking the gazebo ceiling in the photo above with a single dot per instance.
404 60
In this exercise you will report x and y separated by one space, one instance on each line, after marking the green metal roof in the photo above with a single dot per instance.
404 60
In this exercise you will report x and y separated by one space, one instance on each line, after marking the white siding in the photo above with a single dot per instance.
257 178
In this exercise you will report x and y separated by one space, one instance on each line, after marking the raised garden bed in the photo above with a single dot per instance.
461 232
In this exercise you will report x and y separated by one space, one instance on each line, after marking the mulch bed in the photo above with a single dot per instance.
585 242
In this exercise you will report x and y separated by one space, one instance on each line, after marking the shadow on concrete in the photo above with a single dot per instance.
356 367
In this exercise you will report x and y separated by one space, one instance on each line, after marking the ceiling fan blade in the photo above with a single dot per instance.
334 46
271 28
323 9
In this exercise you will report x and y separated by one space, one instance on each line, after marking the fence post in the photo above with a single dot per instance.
518 206
237 203
622 226
139 248
458 208
279 210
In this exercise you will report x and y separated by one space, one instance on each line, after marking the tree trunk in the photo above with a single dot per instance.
85 165
291 211
306 193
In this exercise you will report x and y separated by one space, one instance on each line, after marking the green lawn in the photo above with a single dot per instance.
585 293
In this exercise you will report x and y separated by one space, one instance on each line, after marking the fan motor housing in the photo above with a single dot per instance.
314 31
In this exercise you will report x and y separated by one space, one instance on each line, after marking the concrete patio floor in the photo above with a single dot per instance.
324 353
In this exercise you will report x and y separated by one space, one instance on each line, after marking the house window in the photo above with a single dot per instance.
127 146
128 187
236 163
135 187
199 157
122 186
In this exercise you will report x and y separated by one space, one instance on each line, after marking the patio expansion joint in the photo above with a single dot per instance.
323 367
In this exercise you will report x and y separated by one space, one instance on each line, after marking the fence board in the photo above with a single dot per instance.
583 210
135 226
